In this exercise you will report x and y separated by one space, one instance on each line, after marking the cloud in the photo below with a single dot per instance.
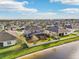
71 10
12 5
39 15
46 15
70 2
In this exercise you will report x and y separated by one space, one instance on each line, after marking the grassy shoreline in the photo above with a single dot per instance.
15 54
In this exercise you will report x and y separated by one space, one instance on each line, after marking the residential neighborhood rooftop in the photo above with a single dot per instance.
4 36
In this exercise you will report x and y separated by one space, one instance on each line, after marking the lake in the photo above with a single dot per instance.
66 51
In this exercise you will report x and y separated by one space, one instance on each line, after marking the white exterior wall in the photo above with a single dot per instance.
69 31
12 42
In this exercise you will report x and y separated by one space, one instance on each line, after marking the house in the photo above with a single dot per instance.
7 39
37 37
1 27
69 28
42 36
60 31
30 30
76 26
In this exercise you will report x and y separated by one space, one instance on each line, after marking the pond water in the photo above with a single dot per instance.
66 51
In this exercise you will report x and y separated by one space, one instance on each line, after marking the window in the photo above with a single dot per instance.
1 44
9 42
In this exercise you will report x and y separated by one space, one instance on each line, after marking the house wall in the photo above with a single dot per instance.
69 31
1 27
9 43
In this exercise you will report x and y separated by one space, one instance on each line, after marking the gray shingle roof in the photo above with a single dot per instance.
53 28
68 26
4 36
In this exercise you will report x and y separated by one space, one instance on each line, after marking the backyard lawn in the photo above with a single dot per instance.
52 39
15 47
68 36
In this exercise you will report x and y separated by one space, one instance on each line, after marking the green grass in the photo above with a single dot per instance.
45 40
6 49
68 36
76 31
17 53
50 38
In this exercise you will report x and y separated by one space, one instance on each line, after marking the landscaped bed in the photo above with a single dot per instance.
17 53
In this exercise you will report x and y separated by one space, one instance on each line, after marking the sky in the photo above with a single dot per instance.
39 9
